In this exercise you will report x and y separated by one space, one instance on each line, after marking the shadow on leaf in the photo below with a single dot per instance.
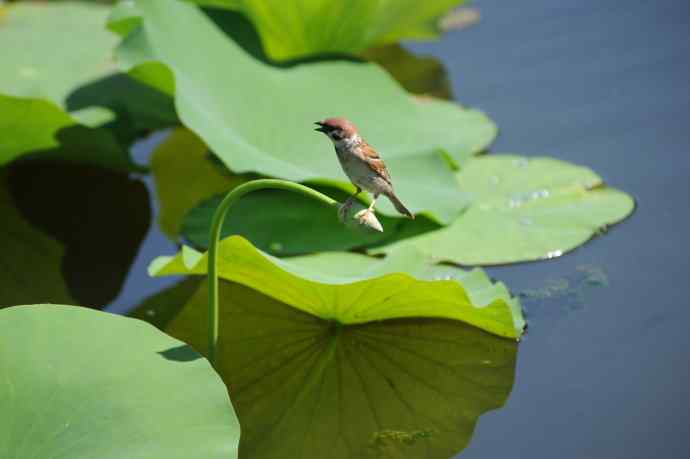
138 108
100 217
182 353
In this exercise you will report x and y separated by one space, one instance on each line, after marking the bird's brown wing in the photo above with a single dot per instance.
374 161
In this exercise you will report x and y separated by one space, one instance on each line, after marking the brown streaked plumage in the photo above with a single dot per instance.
360 162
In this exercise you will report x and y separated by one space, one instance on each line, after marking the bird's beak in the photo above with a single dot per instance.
321 127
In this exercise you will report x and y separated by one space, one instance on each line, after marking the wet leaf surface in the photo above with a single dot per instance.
523 209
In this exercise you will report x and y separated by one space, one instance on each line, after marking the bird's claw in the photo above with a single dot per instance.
363 215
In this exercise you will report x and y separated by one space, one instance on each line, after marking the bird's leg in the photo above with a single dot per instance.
345 208
373 201
361 215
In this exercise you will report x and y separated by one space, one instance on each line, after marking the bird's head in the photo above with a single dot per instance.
338 130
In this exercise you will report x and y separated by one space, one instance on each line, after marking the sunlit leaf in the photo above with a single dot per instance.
396 287
295 28
259 118
99 218
523 209
305 387
83 384
38 128
49 49
62 53
124 17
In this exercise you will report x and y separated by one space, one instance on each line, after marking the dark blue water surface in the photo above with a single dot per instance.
604 371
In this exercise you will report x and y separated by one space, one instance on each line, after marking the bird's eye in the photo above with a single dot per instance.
335 135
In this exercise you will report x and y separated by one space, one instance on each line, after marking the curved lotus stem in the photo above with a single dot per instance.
217 224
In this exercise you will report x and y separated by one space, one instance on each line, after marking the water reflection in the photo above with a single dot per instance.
304 387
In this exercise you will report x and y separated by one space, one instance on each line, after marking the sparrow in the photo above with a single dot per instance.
361 163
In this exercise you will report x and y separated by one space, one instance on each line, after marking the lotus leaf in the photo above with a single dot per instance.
523 209
39 128
124 17
295 28
259 118
97 385
183 158
305 387
59 61
284 223
76 72
386 290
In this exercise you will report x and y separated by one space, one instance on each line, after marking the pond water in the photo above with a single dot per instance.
603 370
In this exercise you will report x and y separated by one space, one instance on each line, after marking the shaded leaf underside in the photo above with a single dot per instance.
303 386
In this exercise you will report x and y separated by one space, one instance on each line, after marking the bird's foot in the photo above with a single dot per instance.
363 215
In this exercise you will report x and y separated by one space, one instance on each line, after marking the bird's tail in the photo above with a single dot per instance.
399 206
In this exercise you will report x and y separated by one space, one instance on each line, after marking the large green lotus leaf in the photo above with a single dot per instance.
76 71
308 388
259 118
39 128
28 254
424 75
49 49
397 287
523 209
78 383
295 28
78 206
